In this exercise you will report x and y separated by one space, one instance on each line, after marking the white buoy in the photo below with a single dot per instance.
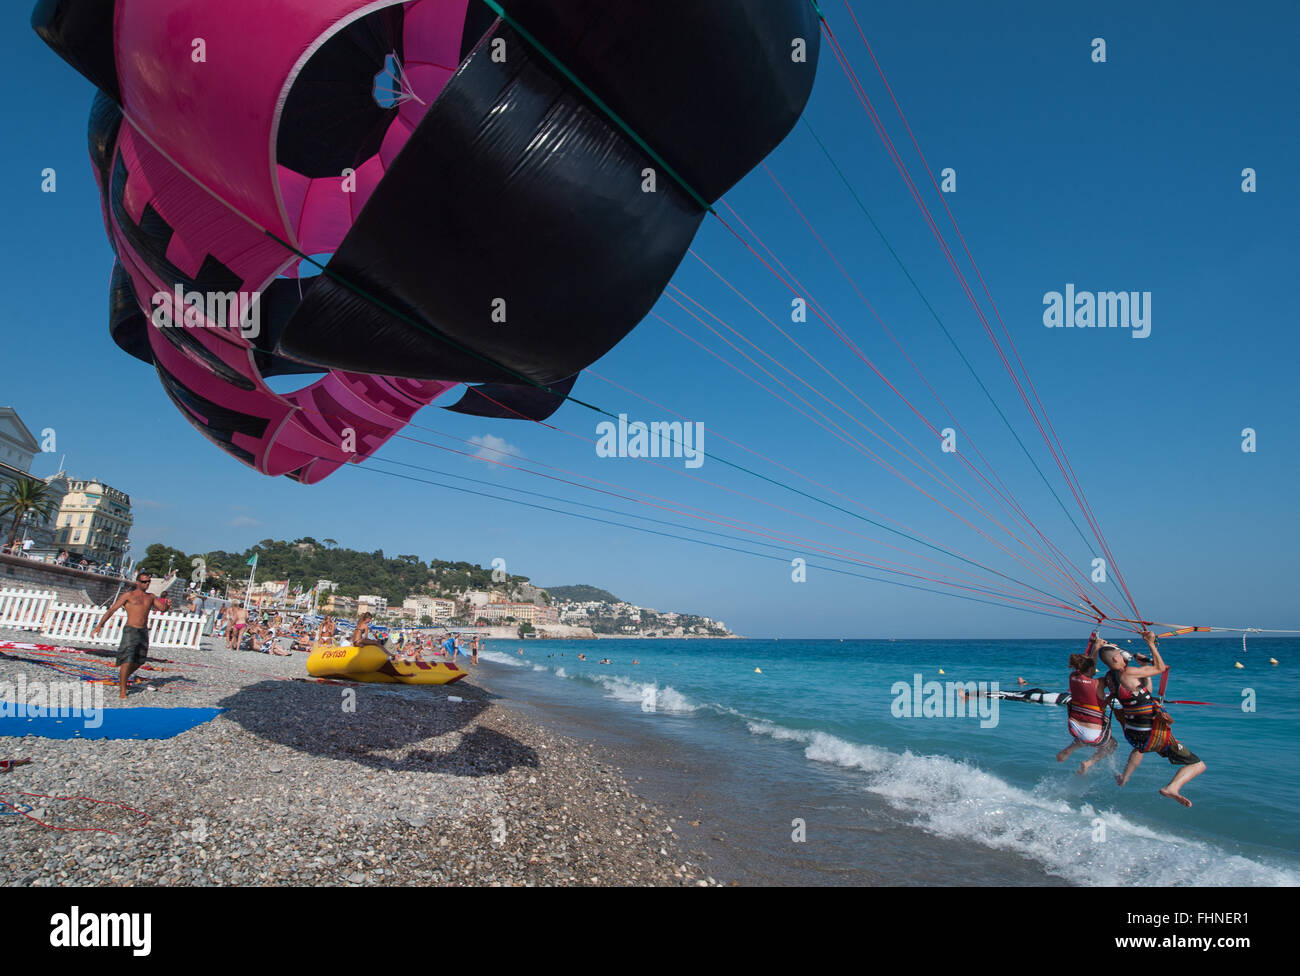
758 670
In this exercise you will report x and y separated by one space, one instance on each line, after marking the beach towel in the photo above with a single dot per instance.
109 723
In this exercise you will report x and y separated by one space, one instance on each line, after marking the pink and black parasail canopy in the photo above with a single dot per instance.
437 159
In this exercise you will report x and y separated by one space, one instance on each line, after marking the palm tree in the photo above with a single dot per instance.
23 496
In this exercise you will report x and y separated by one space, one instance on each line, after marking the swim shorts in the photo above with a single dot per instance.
134 646
1179 755
1173 750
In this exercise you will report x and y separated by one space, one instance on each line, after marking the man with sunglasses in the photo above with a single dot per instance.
133 650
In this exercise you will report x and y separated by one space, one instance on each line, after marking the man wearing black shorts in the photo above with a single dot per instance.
1146 724
133 650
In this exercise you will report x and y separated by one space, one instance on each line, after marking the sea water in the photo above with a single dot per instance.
810 767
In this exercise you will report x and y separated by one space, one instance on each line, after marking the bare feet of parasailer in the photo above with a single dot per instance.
1185 773
1166 791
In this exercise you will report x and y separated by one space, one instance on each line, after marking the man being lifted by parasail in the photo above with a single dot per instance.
1146 724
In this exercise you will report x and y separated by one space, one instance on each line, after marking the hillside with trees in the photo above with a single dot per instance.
306 560
582 593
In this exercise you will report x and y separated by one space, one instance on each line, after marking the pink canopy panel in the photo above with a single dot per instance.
379 175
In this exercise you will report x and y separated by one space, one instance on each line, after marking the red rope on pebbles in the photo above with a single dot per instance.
88 799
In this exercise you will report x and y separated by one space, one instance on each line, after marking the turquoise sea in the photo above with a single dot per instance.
885 798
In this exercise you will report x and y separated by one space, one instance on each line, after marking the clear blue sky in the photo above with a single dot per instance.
1115 176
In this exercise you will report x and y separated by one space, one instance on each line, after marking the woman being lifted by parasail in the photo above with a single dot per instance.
1087 715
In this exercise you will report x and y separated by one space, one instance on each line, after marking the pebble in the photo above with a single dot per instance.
385 790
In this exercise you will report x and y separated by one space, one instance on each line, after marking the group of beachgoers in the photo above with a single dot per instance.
1125 689
246 631
410 647
263 632
243 629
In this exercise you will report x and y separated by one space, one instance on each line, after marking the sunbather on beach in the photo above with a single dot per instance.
238 624
271 644
361 633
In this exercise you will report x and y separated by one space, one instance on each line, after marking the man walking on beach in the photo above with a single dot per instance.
133 650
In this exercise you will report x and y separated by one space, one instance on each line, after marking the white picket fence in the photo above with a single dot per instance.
22 609
74 622
39 610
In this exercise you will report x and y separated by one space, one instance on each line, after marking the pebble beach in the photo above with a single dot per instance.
310 783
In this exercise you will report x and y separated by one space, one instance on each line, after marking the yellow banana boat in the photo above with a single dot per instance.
371 664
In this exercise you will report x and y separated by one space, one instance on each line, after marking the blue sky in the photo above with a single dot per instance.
1115 176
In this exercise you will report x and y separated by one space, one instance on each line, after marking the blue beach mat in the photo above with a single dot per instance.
110 723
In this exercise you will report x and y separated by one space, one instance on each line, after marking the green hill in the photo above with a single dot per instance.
304 561
582 593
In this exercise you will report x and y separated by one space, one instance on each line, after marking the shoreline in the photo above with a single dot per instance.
288 787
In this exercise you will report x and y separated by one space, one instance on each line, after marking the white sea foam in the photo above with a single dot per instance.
561 673
823 747
496 657
663 699
1073 840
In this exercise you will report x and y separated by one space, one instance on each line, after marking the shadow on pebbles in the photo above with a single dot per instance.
307 783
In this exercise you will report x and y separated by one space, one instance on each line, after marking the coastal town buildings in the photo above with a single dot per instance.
619 617
18 447
94 521
435 608
371 603
339 605
524 613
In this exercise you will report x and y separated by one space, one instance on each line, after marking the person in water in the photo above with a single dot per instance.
1147 726
1086 716
133 649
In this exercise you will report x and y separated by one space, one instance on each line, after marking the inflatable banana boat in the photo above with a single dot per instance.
371 664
